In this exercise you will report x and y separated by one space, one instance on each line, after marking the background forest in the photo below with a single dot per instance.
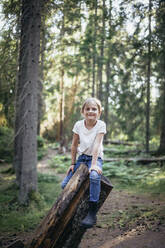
54 54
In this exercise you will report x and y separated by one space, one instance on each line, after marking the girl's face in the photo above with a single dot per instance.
91 111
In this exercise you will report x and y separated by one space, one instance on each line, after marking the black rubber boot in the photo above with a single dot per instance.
91 218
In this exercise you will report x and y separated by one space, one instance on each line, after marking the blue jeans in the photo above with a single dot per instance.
95 178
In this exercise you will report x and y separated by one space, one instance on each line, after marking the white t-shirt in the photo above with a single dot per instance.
87 137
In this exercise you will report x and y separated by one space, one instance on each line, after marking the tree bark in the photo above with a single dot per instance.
101 60
61 227
161 149
108 70
62 89
94 26
25 158
148 83
41 80
161 16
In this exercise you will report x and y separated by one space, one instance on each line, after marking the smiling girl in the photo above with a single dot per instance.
87 143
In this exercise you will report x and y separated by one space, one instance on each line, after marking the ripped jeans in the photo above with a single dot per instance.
95 178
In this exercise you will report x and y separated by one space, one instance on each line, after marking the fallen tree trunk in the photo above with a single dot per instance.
118 142
120 152
138 160
61 227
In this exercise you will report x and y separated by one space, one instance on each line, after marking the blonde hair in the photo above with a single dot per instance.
92 99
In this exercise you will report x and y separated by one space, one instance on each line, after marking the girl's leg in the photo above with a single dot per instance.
70 174
95 182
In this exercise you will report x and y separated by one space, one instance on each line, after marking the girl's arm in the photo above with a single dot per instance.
95 152
74 146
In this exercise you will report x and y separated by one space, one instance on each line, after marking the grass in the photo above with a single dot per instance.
16 218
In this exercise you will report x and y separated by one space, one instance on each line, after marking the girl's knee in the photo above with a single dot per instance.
94 175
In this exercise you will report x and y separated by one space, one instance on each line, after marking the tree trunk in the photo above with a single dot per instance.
62 99
62 93
101 54
41 81
108 71
61 227
106 112
148 83
161 149
25 157
94 49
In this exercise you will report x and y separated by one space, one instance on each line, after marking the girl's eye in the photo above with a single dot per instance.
93 109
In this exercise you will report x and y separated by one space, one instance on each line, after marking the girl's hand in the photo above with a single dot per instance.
71 168
96 168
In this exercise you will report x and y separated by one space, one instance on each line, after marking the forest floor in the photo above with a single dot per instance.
127 219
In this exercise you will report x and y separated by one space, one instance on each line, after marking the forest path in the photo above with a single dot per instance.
128 221
43 164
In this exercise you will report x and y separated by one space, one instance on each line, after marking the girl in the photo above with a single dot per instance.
87 142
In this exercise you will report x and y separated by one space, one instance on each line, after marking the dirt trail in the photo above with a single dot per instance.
145 230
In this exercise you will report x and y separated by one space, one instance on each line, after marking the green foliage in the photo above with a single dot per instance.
41 152
75 42
150 178
40 141
60 163
54 145
47 178
121 150
6 144
125 174
42 147
16 218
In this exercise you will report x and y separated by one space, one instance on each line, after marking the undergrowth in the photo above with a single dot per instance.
60 163
16 218
142 178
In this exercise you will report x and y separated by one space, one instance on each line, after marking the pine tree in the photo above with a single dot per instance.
161 36
25 157
148 82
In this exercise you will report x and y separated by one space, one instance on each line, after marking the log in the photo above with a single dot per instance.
118 142
138 160
120 152
61 227
117 151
